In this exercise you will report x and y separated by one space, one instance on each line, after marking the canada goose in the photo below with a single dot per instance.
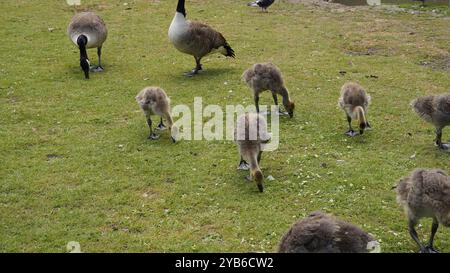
322 233
153 100
263 4
87 30
250 134
425 193
196 39
435 109
355 101
266 76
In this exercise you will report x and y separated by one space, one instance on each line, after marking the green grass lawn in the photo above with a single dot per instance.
76 165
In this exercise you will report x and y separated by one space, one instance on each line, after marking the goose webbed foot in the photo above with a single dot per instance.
153 136
97 68
193 71
444 147
243 165
431 249
428 249
161 126
351 133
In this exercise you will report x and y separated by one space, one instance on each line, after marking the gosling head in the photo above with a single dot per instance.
362 126
259 180
85 65
290 106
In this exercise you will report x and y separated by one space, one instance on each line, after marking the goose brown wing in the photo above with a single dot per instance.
204 38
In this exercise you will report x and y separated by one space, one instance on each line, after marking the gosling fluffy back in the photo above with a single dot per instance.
352 96
264 76
321 233
434 109
425 193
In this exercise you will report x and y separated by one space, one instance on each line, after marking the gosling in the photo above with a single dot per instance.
153 100
425 193
322 233
355 101
250 135
435 109
266 76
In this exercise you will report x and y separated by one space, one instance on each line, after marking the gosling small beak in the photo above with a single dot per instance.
361 131
291 114
173 139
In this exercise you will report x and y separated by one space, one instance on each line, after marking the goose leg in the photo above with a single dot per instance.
152 135
256 98
198 67
434 228
161 125
275 100
259 157
413 233
439 143
243 165
350 131
99 68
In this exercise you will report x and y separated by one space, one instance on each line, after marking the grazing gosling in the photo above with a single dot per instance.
266 76
250 135
425 193
263 4
153 100
355 101
322 233
435 109
196 39
87 30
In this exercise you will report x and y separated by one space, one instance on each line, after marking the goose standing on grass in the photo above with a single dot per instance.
263 4
196 39
322 233
250 135
87 30
154 101
425 193
435 109
266 76
355 101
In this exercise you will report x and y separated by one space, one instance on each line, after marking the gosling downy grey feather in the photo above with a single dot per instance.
435 109
322 233
154 101
425 193
266 76
250 135
355 102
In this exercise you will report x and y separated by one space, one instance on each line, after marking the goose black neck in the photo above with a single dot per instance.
180 7
82 41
